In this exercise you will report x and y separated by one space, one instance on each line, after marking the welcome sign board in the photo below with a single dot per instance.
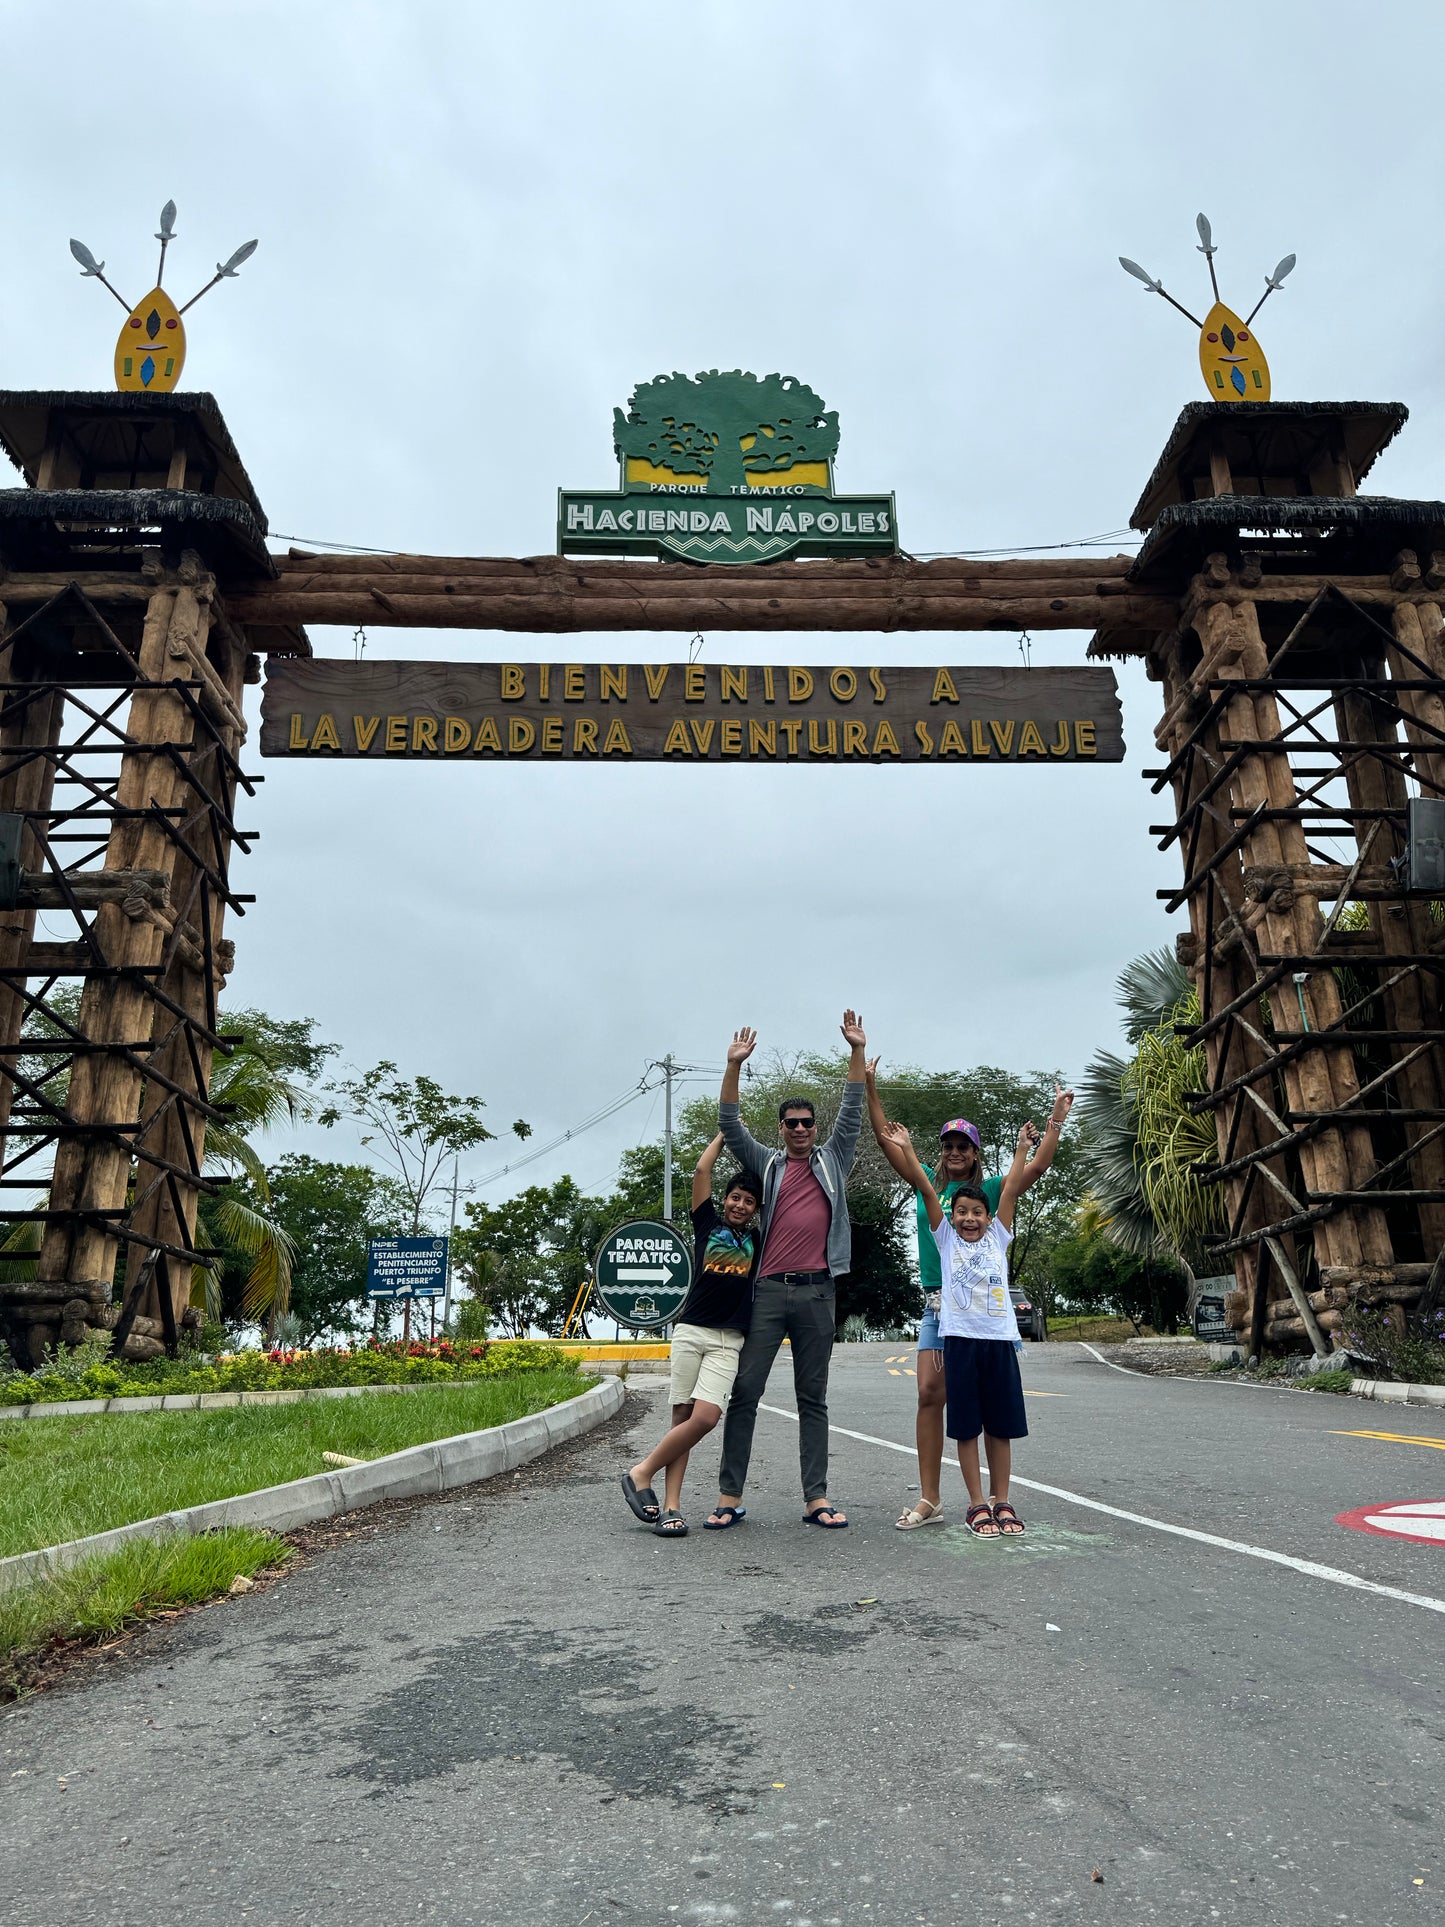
688 713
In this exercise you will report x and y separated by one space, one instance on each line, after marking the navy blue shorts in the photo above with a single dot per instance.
983 1387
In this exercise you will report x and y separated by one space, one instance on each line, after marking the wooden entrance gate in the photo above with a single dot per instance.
1295 628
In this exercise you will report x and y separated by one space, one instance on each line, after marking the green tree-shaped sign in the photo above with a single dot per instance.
725 426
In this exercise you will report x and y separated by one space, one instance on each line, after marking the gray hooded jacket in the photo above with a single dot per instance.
831 1164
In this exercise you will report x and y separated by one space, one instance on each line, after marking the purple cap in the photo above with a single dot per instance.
960 1127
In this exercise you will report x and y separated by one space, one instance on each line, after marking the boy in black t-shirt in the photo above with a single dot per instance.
706 1338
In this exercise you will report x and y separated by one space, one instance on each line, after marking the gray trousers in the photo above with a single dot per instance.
804 1315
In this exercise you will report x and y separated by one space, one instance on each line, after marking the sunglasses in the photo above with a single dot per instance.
797 1124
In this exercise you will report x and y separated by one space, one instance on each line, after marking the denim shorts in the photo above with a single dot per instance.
928 1338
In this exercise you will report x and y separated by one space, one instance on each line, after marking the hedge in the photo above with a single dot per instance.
278 1371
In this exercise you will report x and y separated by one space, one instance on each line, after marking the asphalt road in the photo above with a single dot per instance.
515 1705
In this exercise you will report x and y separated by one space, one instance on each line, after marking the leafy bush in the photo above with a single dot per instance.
1409 1353
278 1371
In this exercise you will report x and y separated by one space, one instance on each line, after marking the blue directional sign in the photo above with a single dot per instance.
406 1267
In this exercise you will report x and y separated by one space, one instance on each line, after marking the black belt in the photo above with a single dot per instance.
797 1277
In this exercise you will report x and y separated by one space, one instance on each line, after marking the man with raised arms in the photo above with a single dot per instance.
807 1243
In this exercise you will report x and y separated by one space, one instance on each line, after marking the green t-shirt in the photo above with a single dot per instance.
929 1271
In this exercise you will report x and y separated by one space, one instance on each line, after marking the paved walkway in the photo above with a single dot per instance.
514 1705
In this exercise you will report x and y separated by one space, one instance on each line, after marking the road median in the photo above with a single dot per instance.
439 1465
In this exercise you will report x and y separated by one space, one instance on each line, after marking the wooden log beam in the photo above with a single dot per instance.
298 563
39 890
682 606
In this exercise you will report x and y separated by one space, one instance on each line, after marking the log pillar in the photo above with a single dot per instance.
1217 954
1320 1079
92 1173
197 959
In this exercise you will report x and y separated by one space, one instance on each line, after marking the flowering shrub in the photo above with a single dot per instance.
418 1363
1405 1350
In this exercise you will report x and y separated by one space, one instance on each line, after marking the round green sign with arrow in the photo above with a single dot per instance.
642 1273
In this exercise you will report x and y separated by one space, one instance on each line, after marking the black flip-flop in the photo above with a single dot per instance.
726 1517
643 1503
671 1525
829 1525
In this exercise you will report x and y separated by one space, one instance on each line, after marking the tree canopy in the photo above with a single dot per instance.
725 426
328 1212
412 1125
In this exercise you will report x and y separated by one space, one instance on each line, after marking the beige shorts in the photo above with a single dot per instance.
704 1363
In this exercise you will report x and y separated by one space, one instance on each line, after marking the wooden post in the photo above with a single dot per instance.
77 1258
1321 1079
1401 929
197 960
1221 969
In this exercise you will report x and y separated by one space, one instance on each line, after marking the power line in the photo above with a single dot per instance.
575 1130
640 1089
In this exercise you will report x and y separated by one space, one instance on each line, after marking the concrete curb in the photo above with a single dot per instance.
438 1466
218 1401
1392 1392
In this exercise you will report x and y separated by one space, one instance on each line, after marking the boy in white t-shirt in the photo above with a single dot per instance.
979 1331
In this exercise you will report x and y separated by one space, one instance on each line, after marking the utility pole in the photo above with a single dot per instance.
667 1070
451 1233
670 1068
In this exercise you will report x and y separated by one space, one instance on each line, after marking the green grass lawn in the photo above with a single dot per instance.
1099 1331
62 1478
101 1597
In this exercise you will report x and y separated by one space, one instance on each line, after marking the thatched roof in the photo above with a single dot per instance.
1266 439
124 439
1367 528
225 531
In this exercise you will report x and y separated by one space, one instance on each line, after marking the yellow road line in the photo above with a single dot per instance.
893 1372
1029 1392
1395 1438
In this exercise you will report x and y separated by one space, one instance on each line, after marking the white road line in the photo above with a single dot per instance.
1127 1370
1309 1567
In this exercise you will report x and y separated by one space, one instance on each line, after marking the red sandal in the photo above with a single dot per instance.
1009 1523
980 1531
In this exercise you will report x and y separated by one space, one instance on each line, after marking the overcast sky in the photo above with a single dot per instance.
481 226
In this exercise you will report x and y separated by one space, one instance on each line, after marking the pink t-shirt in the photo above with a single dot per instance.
798 1228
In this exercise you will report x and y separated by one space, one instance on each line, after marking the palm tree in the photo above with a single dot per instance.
254 1084
1145 1143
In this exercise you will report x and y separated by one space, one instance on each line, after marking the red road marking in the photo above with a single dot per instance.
1396 1519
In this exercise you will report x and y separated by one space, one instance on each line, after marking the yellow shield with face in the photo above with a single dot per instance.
151 350
1230 358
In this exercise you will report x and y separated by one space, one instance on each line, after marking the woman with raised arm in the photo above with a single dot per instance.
959 1162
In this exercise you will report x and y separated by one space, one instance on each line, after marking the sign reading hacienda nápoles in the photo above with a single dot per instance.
725 467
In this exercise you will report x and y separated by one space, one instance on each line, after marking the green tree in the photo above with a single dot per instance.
413 1127
527 1257
328 1212
725 426
1093 1273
